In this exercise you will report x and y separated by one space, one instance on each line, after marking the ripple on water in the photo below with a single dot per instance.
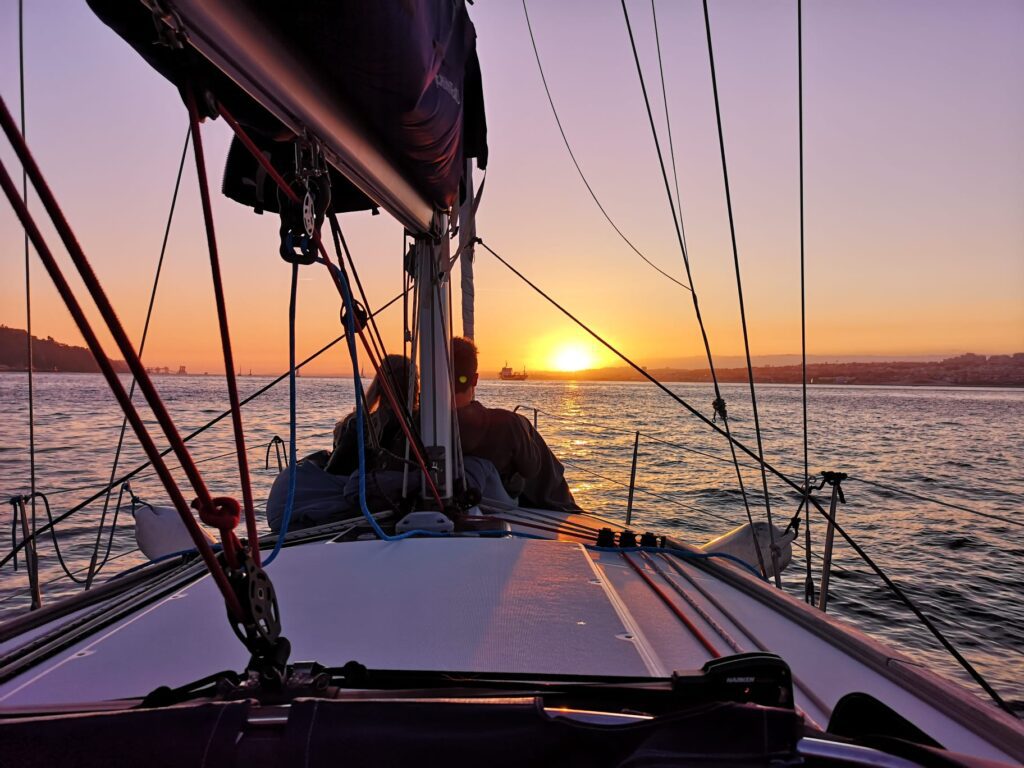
964 569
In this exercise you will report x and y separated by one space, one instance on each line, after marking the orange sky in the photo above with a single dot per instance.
915 189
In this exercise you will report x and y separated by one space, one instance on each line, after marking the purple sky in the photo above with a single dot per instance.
914 125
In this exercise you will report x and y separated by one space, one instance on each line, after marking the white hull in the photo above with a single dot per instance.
508 605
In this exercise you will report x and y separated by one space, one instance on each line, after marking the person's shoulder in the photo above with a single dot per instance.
507 419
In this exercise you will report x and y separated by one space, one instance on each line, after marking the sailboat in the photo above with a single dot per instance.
450 629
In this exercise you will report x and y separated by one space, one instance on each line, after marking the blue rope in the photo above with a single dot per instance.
350 334
286 519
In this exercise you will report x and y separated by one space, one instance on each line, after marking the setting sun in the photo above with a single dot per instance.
572 357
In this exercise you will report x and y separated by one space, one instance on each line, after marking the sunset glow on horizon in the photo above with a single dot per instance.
914 190
571 357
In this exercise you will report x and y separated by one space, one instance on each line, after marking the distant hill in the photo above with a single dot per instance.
967 370
47 354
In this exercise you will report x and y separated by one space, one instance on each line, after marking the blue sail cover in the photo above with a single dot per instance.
406 68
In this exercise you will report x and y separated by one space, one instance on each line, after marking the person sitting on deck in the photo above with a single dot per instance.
527 467
382 430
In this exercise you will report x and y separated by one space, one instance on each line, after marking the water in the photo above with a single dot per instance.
962 445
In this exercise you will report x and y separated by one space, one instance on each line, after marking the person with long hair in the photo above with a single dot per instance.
382 429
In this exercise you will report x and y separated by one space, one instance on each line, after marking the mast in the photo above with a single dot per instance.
432 256
467 238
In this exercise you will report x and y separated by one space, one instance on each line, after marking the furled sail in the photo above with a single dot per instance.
400 75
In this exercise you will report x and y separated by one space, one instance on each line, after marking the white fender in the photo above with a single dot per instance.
159 531
739 542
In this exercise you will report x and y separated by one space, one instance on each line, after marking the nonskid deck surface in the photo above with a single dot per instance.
498 605
733 620
483 605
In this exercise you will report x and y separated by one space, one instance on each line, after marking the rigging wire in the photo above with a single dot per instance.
940 502
93 567
809 578
293 462
92 341
113 324
739 288
226 523
195 433
647 375
652 494
719 403
896 590
341 247
668 121
579 170
631 432
337 273
30 363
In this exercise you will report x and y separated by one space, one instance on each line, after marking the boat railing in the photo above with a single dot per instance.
528 408
24 522
30 535
631 487
834 480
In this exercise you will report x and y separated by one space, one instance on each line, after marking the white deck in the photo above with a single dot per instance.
497 605
487 605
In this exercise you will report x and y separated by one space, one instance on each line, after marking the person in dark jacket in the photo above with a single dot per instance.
382 430
527 467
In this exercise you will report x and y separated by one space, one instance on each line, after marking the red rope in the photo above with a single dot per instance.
106 309
106 368
674 608
229 360
390 395
279 180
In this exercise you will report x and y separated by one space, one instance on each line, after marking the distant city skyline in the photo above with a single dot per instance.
13 349
914 131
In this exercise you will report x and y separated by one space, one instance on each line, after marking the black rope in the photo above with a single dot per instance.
809 579
640 370
645 435
719 403
93 568
936 632
921 616
939 502
128 476
28 279
341 246
739 287
50 527
401 393
579 170
652 494
668 122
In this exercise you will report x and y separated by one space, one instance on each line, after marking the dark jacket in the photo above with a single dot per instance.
390 439
527 466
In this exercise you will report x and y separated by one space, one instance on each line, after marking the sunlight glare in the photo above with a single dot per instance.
572 357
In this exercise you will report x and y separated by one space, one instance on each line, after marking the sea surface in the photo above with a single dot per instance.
964 570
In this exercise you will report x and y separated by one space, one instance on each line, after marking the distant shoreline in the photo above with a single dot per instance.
569 380
967 370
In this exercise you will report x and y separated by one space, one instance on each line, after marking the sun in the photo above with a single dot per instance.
572 357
